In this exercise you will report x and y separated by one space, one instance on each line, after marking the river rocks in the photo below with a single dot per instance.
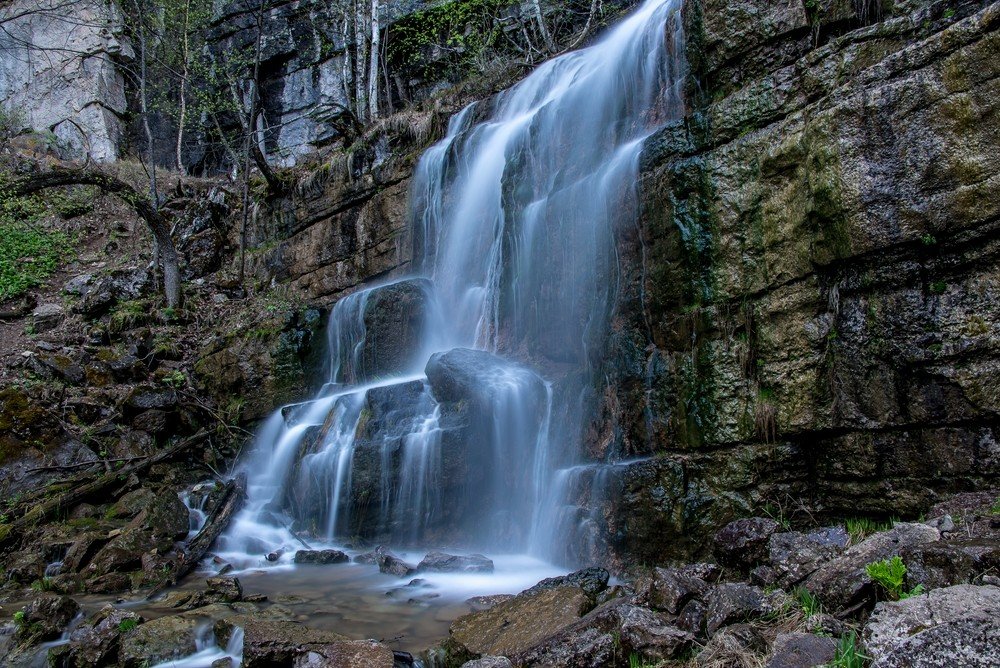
489 662
346 654
733 602
516 625
225 589
45 618
794 555
743 543
843 582
158 640
668 589
802 650
954 626
321 557
390 564
440 562
591 580
276 643
95 642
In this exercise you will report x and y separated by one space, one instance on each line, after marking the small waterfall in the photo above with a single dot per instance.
458 398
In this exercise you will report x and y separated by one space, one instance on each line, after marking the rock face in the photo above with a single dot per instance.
800 314
67 81
954 626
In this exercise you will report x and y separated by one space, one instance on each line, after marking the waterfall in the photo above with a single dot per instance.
458 398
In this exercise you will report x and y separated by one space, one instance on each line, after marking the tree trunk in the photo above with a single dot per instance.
143 206
373 65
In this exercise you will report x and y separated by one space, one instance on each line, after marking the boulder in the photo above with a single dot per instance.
390 564
802 650
279 643
96 642
842 582
489 662
321 557
45 617
736 602
617 628
743 543
591 580
516 625
47 316
668 589
440 562
225 589
159 640
346 654
951 562
954 626
794 555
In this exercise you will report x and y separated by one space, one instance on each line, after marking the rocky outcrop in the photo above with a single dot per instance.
59 73
805 313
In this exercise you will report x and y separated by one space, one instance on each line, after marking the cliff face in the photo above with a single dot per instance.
59 72
811 314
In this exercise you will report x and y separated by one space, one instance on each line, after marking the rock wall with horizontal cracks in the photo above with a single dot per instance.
809 320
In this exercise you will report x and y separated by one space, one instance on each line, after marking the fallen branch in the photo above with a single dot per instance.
95 462
231 502
102 485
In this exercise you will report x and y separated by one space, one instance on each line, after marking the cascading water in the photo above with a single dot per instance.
457 399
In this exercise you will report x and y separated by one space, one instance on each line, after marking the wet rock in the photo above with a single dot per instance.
952 562
96 642
395 321
954 626
615 627
45 617
321 557
83 550
347 654
591 580
478 603
743 543
439 562
227 589
47 316
802 650
489 662
516 625
278 643
392 565
731 602
159 640
668 589
78 285
843 582
156 527
794 555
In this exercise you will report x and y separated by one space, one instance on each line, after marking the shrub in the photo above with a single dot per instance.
890 574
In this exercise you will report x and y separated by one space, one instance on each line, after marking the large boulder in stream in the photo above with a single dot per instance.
381 331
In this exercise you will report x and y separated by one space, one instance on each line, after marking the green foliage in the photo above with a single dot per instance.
995 508
466 29
19 617
127 625
928 240
29 253
890 574
175 379
43 585
848 653
636 661
130 314
810 604
938 287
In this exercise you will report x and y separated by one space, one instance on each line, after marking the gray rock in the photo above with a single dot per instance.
346 654
95 642
951 562
48 316
843 582
743 543
279 643
227 589
440 562
321 557
390 564
489 662
731 602
78 285
591 580
802 650
668 589
46 616
794 555
954 626
159 640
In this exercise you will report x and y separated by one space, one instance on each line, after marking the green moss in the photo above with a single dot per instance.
29 253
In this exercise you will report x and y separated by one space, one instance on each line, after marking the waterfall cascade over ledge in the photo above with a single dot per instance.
458 398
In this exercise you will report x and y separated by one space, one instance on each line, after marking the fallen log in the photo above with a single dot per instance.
102 485
231 502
